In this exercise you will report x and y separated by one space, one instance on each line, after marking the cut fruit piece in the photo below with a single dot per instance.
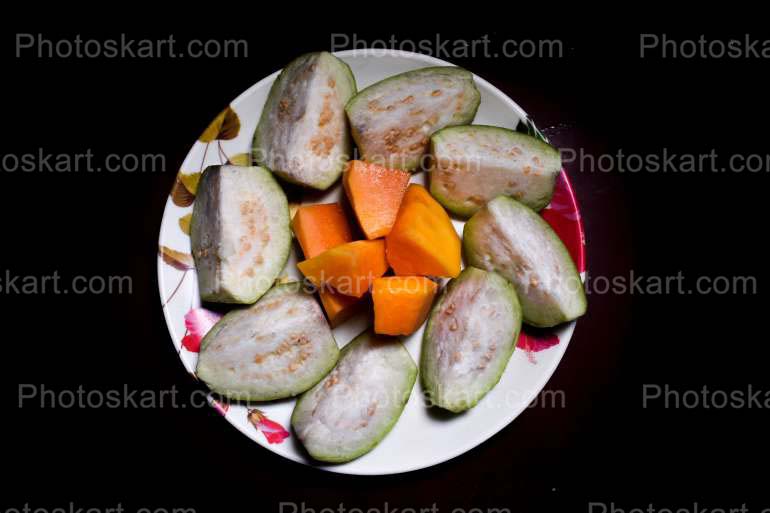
352 409
302 134
472 165
392 120
471 335
320 227
375 192
401 303
338 307
513 240
350 268
239 233
277 348
423 241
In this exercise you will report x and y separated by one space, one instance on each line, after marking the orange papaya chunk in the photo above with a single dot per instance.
401 303
375 192
423 241
350 268
320 227
338 307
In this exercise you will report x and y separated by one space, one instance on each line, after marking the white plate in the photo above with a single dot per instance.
422 437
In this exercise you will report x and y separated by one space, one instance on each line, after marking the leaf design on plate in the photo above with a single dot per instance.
190 181
198 322
273 431
528 127
184 223
240 159
180 195
176 259
224 127
531 343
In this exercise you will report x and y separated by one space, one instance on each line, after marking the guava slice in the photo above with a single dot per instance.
511 239
352 409
303 134
470 336
239 232
474 164
277 348
392 120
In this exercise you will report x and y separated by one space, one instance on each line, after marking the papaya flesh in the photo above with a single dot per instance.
375 192
423 241
401 303
320 227
350 268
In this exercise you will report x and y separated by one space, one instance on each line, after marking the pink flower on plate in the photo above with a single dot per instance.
198 322
532 344
564 217
273 431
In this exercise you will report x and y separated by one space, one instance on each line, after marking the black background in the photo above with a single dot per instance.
603 447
